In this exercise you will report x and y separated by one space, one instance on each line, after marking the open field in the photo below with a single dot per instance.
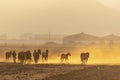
9 71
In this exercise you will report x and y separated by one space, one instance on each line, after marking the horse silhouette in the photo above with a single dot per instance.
25 57
36 55
8 55
65 57
14 56
45 56
84 57
21 57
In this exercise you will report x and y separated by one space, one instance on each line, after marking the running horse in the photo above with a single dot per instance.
8 55
65 57
45 56
84 57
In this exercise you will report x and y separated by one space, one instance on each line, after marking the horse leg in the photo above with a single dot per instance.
14 60
22 61
84 61
61 60
35 61
42 59
47 58
67 60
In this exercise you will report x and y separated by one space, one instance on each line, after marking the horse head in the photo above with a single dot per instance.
68 54
47 51
87 54
35 51
39 51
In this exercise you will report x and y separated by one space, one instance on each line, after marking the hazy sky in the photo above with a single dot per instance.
111 3
59 17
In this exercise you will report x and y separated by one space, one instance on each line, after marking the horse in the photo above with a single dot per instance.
65 57
45 56
25 57
36 55
84 57
14 56
28 56
21 57
8 55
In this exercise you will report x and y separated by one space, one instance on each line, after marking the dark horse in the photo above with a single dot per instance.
8 55
14 56
84 57
28 56
36 55
25 57
65 57
45 56
21 57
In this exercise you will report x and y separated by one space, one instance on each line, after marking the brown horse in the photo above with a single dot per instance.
8 55
25 57
45 56
14 56
84 57
21 57
28 56
65 57
36 55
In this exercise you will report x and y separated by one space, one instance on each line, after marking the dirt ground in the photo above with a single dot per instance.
98 72
9 71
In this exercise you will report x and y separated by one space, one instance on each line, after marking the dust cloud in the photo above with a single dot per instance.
99 54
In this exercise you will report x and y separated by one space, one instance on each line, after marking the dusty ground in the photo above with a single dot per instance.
91 73
9 71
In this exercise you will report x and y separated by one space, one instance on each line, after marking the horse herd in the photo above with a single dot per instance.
25 57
